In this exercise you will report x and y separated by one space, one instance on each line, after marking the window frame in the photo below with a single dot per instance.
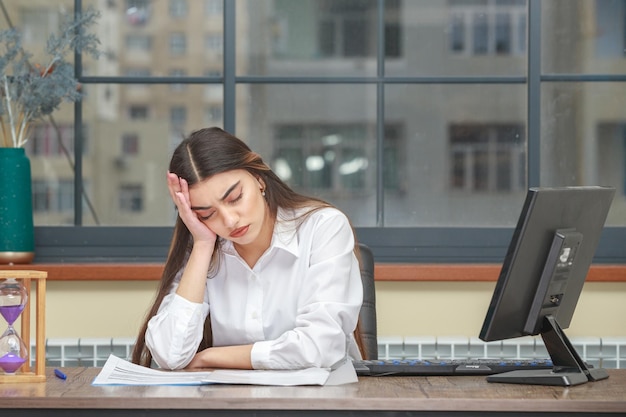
398 245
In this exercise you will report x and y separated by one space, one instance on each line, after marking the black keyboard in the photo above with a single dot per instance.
443 367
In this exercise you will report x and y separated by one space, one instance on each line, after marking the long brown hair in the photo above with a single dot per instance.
204 153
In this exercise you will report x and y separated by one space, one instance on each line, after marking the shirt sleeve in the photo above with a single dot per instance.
328 304
174 333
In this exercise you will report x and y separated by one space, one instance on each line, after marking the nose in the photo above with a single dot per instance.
230 217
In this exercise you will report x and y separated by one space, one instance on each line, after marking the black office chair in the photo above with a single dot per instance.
367 316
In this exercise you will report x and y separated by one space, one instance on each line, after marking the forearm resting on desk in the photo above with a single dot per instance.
229 357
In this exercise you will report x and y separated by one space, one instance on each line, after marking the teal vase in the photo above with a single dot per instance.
17 237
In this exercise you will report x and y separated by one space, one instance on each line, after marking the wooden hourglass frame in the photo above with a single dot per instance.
25 374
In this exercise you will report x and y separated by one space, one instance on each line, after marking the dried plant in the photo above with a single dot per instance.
31 91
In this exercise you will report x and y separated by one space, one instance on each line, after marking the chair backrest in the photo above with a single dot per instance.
367 316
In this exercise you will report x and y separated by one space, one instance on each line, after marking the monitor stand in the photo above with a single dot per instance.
569 368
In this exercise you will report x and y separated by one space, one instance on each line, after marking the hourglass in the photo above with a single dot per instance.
15 288
13 351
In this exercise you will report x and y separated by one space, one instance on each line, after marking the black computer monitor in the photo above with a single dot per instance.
542 277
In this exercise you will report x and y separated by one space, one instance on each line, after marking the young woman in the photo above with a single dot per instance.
258 276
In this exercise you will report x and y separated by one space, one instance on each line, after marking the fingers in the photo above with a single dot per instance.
178 188
173 185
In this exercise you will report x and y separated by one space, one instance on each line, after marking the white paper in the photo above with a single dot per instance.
117 371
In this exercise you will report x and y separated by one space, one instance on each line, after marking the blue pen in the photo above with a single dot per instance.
60 374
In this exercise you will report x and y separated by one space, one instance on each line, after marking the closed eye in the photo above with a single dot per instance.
210 214
236 199
207 217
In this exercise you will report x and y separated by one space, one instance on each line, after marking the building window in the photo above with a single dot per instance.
178 73
130 144
138 42
213 7
138 12
609 155
131 198
53 196
214 43
323 157
47 141
37 24
347 29
487 27
138 112
394 163
487 157
178 43
178 118
178 8
137 72
213 115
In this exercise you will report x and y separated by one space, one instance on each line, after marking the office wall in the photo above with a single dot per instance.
115 309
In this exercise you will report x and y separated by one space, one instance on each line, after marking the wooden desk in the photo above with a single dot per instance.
389 396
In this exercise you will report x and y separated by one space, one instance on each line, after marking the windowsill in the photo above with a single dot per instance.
383 272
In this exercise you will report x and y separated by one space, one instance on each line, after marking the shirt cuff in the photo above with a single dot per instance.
260 355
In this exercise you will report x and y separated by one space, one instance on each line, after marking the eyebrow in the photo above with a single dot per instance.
230 190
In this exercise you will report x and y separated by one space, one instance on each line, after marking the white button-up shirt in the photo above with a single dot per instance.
298 305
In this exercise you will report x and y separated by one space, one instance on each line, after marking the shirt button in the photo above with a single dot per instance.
255 315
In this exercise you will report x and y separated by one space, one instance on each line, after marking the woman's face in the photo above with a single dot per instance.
231 205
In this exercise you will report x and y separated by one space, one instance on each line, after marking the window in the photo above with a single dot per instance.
131 198
345 29
138 12
138 112
214 43
47 141
137 72
418 122
487 158
53 196
611 40
213 116
138 42
337 29
487 27
178 43
130 144
213 7
178 8
610 155
331 158
180 73
178 118
37 24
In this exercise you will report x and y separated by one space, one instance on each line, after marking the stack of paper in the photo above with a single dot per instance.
117 371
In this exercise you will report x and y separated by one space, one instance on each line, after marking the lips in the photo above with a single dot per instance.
239 231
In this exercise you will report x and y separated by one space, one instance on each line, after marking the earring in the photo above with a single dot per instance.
263 192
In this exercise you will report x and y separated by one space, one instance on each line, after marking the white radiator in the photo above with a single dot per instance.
85 351
605 352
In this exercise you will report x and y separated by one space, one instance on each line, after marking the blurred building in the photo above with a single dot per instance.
311 95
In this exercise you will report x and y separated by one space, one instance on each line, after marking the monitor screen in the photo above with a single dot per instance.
542 277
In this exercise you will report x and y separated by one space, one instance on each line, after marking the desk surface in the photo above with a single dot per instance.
471 395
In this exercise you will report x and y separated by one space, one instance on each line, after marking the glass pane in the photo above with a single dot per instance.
132 130
158 37
308 37
320 139
583 36
49 140
583 138
457 38
458 164
50 148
